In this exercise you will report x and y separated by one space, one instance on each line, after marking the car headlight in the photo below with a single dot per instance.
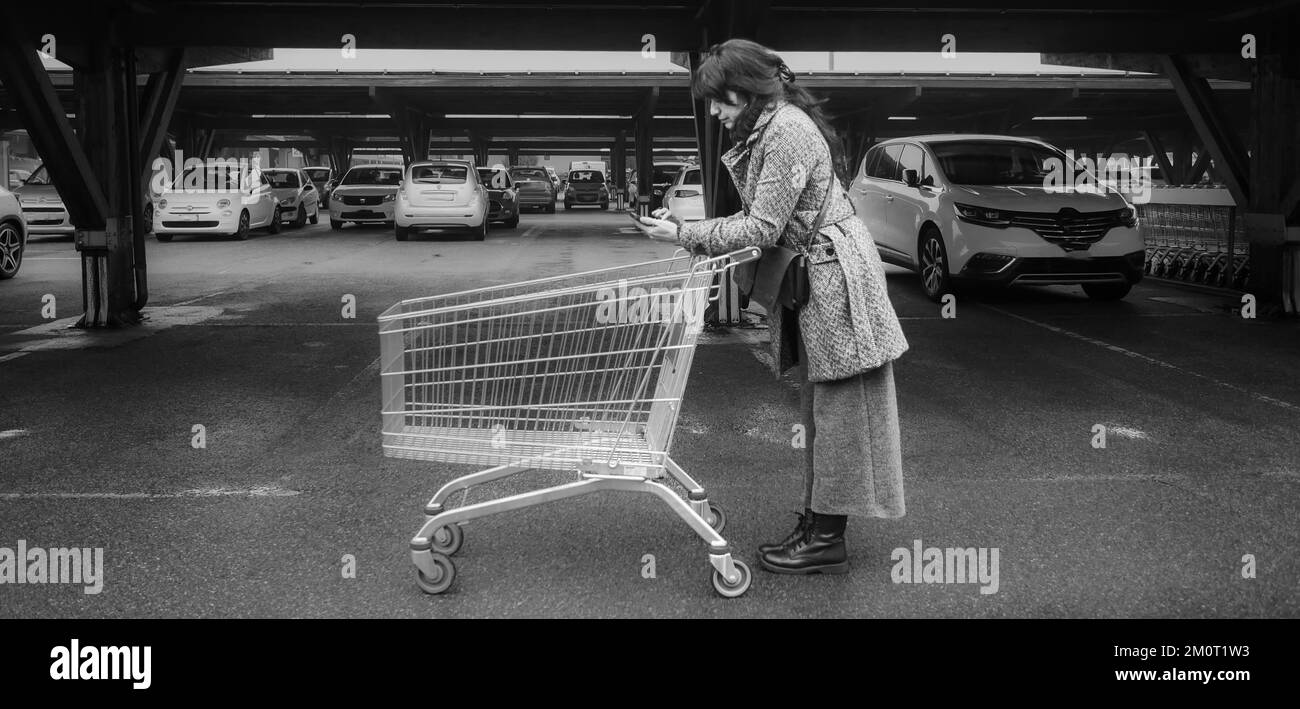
162 204
286 202
1128 217
390 197
982 216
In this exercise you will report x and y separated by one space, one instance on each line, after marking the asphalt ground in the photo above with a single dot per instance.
1200 473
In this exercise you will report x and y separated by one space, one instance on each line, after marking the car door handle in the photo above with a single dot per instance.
889 198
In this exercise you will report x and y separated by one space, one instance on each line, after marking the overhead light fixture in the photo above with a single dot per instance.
1059 118
901 118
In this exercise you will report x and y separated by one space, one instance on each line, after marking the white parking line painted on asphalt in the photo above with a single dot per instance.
1150 360
52 258
13 433
12 355
257 491
203 297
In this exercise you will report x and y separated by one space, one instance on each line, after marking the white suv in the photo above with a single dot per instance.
983 208
441 194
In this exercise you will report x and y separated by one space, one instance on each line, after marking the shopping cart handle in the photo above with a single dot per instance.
726 261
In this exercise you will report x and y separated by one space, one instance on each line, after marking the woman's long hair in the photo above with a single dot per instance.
759 76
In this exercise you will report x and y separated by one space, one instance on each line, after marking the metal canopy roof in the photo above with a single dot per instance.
842 25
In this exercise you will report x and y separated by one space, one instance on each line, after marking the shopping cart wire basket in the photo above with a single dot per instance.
581 373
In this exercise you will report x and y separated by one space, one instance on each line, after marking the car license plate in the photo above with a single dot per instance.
439 196
189 217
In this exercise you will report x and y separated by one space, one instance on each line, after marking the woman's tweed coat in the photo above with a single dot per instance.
783 172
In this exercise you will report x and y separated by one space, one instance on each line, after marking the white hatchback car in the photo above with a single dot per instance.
441 194
685 197
365 195
13 235
299 199
216 199
981 209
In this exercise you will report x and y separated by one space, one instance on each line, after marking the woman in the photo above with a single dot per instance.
786 165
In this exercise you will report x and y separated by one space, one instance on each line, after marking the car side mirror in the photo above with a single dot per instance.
911 178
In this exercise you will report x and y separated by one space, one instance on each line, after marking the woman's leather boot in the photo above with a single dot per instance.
805 520
819 551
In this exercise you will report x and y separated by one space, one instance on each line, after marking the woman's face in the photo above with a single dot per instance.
727 111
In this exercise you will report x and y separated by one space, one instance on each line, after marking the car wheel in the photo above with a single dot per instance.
11 250
241 232
514 222
481 233
604 205
400 232
276 216
336 224
163 237
148 218
550 208
301 219
315 215
1107 291
933 257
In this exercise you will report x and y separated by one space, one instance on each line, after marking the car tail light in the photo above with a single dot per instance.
687 193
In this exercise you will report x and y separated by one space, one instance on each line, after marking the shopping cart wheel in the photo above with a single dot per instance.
447 539
733 590
717 517
445 576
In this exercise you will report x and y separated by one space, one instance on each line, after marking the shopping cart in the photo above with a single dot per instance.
582 374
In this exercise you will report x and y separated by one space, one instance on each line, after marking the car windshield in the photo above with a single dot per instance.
494 179
211 177
692 177
373 176
994 163
281 179
589 177
530 173
440 174
40 177
318 175
666 173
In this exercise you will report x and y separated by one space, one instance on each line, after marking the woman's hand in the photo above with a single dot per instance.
658 228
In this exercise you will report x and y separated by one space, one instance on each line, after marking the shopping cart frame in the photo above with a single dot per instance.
441 535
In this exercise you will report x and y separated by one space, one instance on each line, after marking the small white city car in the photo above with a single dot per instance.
299 199
13 235
365 195
216 199
986 209
43 208
441 194
685 196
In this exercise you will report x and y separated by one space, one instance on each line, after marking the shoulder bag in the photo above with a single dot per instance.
780 276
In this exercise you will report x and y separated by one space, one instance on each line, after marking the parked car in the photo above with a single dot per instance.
586 187
665 173
503 201
685 197
441 194
321 177
299 200
13 235
231 202
43 208
980 209
365 195
534 188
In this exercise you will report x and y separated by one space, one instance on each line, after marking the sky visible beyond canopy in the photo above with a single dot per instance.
401 60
